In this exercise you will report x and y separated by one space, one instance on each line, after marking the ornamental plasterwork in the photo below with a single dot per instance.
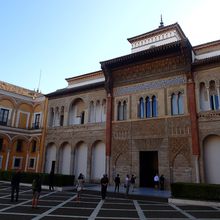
179 146
122 99
120 135
209 115
145 95
120 148
164 83
176 92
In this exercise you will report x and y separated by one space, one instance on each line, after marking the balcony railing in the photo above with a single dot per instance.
35 126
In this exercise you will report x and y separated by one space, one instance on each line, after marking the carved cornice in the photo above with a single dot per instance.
209 115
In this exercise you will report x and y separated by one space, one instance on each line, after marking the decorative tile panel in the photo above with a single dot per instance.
178 80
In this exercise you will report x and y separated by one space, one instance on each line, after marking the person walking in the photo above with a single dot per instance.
104 185
133 177
15 183
36 188
162 181
127 185
79 186
156 181
51 181
117 182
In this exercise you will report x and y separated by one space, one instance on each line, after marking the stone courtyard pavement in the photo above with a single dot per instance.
58 205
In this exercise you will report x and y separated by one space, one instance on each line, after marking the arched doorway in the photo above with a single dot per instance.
64 159
211 146
80 165
50 157
98 160
182 172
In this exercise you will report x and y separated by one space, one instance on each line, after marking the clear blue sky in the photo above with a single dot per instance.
66 38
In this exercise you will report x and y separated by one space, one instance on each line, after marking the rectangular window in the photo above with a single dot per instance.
17 162
61 120
4 116
34 146
1 158
31 163
1 144
37 121
19 146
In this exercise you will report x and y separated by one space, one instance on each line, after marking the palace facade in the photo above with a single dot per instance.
22 123
155 110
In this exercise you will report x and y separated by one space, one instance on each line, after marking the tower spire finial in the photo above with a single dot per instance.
161 22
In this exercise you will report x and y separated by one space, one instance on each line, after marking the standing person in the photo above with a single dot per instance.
132 182
15 182
127 184
51 181
162 180
36 188
156 181
79 187
104 185
117 182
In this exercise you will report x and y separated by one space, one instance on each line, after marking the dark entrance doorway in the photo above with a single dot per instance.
148 167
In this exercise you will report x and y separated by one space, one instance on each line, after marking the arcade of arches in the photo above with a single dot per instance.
75 160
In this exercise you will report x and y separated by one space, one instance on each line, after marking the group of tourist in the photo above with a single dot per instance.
36 187
129 184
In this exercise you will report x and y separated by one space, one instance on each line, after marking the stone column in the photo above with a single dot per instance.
37 162
7 159
208 97
26 162
197 169
108 132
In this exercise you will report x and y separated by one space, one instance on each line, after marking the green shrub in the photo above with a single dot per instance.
27 177
196 191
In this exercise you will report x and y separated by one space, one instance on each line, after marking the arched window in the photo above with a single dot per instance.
91 112
154 106
214 103
119 111
51 122
98 111
77 112
174 108
180 103
103 110
141 106
203 100
124 110
57 118
148 107
82 117
62 116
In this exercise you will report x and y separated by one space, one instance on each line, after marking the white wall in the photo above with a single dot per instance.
65 158
98 160
211 159
80 165
50 156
